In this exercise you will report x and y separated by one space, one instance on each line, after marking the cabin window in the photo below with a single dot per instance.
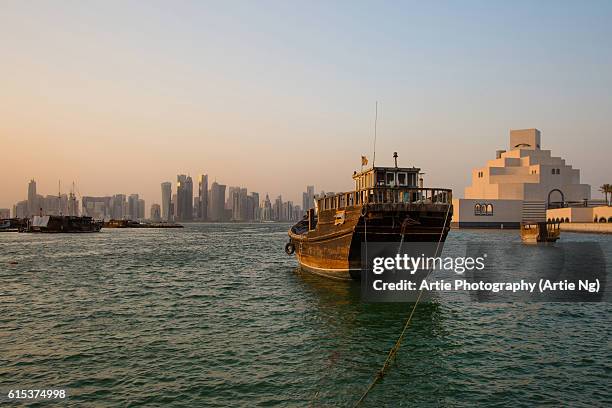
401 179
380 179
390 179
413 179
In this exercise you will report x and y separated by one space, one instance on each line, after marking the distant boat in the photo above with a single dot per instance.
13 224
136 224
62 224
539 232
387 205
5 225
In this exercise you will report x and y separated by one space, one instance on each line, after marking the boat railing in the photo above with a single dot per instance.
387 195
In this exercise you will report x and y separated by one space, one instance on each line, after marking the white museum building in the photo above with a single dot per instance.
520 184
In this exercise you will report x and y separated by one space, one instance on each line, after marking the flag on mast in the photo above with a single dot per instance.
364 161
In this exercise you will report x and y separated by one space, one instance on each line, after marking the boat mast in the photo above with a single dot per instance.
375 126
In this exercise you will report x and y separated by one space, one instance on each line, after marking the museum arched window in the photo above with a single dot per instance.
477 209
595 219
489 209
602 219
567 219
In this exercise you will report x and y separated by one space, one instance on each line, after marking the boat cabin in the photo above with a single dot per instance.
385 185
387 177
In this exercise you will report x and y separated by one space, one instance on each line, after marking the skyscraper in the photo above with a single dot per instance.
308 198
32 199
184 198
141 209
266 209
203 194
166 203
229 202
254 215
239 202
132 207
155 213
216 202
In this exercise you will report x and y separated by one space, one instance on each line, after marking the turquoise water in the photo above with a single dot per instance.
218 315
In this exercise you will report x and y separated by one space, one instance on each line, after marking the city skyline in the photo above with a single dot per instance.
182 205
276 98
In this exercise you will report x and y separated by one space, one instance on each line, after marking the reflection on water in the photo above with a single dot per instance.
218 315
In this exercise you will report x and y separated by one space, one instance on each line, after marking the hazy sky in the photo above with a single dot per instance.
120 96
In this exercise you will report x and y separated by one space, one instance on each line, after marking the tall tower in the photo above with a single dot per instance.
166 202
133 207
32 199
184 198
217 202
308 198
203 194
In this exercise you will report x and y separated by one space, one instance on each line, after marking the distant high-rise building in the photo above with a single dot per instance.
308 198
203 195
5 213
20 210
33 207
118 205
98 208
132 204
216 203
286 211
166 201
52 204
155 213
141 209
254 212
184 198
266 210
196 208
277 209
173 207
240 210
229 203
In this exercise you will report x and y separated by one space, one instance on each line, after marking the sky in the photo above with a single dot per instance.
119 96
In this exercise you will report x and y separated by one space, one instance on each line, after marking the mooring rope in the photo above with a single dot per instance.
393 352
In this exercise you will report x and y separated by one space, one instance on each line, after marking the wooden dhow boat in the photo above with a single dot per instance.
389 204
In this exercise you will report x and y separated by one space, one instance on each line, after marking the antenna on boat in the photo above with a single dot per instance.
375 125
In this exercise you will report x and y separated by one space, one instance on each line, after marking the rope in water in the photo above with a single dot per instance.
393 352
